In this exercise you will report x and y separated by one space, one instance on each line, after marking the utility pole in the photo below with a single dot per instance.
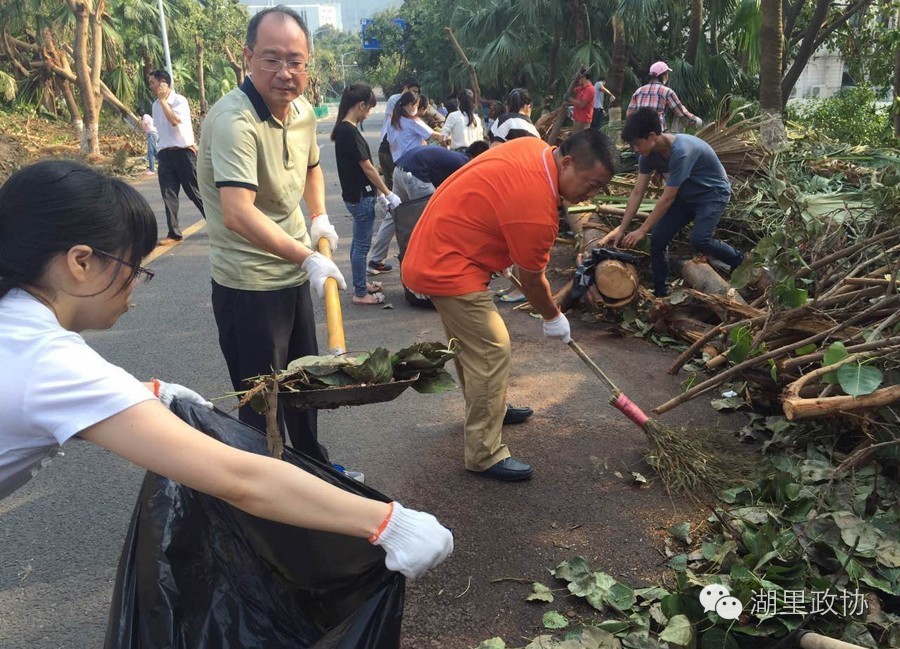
165 40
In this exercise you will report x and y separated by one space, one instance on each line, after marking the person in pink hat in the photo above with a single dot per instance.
657 95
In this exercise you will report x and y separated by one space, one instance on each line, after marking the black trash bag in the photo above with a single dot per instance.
196 573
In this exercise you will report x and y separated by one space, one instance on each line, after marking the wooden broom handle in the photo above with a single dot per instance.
333 317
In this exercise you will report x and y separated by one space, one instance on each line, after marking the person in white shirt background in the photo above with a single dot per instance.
600 90
177 154
71 241
149 130
463 127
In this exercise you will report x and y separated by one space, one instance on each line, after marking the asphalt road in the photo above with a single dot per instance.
61 535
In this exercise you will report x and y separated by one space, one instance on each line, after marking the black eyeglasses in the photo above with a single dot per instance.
139 271
275 65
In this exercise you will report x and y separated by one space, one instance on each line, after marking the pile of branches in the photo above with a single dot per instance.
818 330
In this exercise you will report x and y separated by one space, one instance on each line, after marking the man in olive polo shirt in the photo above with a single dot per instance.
258 158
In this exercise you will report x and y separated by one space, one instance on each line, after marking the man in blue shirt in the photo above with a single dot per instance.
697 190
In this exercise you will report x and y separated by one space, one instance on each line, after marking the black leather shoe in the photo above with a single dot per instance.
516 415
508 470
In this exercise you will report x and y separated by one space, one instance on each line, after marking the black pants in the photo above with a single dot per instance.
598 119
386 161
264 330
177 169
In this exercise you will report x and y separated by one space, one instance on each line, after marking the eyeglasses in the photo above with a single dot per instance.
275 65
139 271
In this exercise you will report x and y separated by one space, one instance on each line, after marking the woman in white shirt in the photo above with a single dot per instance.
406 130
463 127
71 240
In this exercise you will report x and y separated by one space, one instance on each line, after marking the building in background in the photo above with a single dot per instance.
316 16
354 11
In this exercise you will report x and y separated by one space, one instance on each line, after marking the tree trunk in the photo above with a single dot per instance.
127 116
897 91
97 50
771 42
60 60
579 16
201 80
235 66
90 138
696 27
619 61
553 66
701 276
806 49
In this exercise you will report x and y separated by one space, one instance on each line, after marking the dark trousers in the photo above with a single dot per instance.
177 169
705 217
598 118
264 330
386 161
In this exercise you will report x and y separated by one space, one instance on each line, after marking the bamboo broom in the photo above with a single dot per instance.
683 458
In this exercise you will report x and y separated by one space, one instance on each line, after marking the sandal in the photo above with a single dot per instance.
373 287
371 298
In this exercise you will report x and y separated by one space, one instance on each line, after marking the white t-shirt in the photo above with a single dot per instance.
599 97
412 132
388 111
53 385
181 136
458 130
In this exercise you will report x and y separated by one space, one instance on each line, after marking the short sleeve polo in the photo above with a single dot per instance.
243 145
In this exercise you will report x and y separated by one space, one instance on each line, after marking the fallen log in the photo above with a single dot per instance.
701 276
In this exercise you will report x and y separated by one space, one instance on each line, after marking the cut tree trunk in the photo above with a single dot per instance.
616 281
703 277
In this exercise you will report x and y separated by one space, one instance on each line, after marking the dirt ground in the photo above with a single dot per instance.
24 140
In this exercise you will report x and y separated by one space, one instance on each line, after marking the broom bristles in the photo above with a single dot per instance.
688 462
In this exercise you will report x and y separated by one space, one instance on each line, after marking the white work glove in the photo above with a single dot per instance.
558 327
393 200
383 202
321 227
414 541
319 268
698 122
166 392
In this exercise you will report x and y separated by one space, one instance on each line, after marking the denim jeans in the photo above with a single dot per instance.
152 143
363 214
706 217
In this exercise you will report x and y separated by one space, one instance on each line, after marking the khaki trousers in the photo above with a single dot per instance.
483 367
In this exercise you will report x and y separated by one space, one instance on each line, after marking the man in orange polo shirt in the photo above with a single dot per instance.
500 209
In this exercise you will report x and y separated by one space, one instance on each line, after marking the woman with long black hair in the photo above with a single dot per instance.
360 185
71 244
463 127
